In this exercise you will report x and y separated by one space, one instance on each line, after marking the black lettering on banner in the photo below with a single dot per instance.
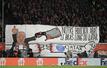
93 34
79 33
85 32
67 33
80 47
76 47
68 37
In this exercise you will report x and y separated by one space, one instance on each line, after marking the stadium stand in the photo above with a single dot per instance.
58 12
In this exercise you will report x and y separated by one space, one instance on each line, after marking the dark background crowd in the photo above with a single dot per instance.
58 12
11 53
0 9
0 20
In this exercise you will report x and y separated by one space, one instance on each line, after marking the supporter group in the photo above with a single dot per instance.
84 13
58 12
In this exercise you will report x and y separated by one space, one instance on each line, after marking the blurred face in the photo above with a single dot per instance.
21 37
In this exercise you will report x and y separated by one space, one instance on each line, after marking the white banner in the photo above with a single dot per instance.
55 34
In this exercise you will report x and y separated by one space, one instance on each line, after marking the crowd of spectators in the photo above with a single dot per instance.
11 53
0 20
0 8
58 12
0 32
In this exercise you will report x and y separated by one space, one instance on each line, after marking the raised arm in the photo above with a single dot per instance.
14 36
14 33
30 39
37 35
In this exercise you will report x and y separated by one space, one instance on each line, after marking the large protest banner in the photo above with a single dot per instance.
55 38
55 34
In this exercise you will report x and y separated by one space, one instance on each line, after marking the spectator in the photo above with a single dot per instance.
79 55
16 54
30 53
84 54
96 55
3 53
